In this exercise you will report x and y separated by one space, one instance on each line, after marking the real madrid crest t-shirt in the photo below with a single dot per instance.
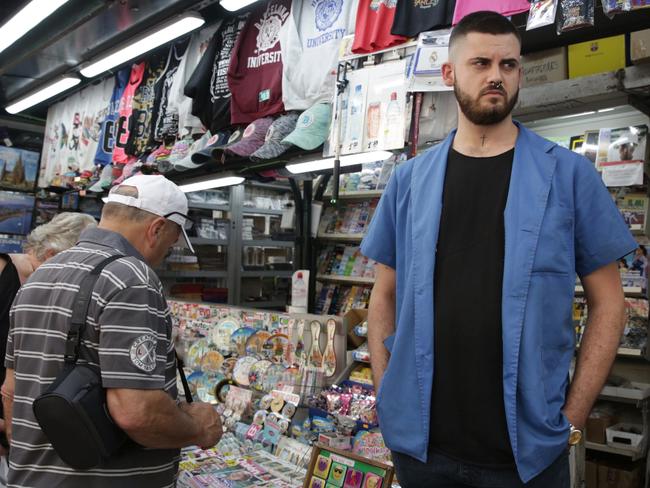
255 72
374 22
310 41
415 16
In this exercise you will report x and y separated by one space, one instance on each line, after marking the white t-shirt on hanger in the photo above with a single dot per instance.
310 40
188 123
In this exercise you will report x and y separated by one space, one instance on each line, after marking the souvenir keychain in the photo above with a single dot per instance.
329 357
300 345
289 357
315 358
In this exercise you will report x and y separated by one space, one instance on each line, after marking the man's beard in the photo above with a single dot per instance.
484 116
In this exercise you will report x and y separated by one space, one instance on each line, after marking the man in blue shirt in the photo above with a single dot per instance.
478 241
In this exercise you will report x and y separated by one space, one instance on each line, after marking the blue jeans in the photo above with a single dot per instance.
442 472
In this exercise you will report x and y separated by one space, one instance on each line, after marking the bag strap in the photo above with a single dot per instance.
186 386
80 310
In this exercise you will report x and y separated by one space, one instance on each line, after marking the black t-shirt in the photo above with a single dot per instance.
162 125
415 16
9 286
208 85
468 420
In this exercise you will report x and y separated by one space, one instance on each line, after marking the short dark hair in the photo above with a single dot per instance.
483 22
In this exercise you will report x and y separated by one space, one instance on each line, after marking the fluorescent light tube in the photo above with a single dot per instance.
349 160
43 94
163 34
234 5
26 19
212 183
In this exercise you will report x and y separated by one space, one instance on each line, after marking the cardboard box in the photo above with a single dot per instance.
544 67
350 320
597 56
640 46
596 428
591 474
618 476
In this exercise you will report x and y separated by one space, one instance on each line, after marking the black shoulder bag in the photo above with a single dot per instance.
72 412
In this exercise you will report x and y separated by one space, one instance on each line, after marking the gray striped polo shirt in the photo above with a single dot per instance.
128 334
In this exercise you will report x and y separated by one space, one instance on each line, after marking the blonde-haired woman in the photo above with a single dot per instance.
59 234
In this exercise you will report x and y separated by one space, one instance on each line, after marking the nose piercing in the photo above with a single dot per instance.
497 84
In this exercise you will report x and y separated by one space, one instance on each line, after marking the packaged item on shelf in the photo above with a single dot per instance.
613 7
640 46
597 56
575 14
544 67
542 13
634 208
361 353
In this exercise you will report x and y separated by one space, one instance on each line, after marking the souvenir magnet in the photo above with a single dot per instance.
315 357
277 404
300 344
329 358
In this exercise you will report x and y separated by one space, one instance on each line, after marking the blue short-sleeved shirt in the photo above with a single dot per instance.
559 220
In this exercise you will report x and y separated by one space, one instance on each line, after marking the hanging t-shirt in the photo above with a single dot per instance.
179 102
104 153
165 123
310 41
255 72
374 22
504 7
415 16
126 110
208 85
72 131
143 102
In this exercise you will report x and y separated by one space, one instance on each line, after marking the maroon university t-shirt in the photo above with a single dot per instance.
255 72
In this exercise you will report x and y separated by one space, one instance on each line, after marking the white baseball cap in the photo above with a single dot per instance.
159 196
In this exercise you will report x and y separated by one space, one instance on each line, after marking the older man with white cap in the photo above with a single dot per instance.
128 335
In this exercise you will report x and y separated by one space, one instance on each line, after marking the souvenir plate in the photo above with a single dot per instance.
222 332
211 362
255 343
238 340
275 347
257 374
195 353
274 376
228 366
243 368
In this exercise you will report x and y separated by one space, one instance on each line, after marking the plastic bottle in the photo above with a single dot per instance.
394 122
356 115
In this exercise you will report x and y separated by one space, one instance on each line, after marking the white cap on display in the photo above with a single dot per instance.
159 196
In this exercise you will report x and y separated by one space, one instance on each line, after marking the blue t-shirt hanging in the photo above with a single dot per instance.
104 153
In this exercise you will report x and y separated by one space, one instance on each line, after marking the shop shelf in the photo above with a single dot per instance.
267 243
630 291
354 280
210 206
271 186
266 274
614 450
192 274
261 211
357 195
206 241
341 237
267 304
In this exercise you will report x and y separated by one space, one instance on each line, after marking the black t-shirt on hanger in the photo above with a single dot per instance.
468 421
415 16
